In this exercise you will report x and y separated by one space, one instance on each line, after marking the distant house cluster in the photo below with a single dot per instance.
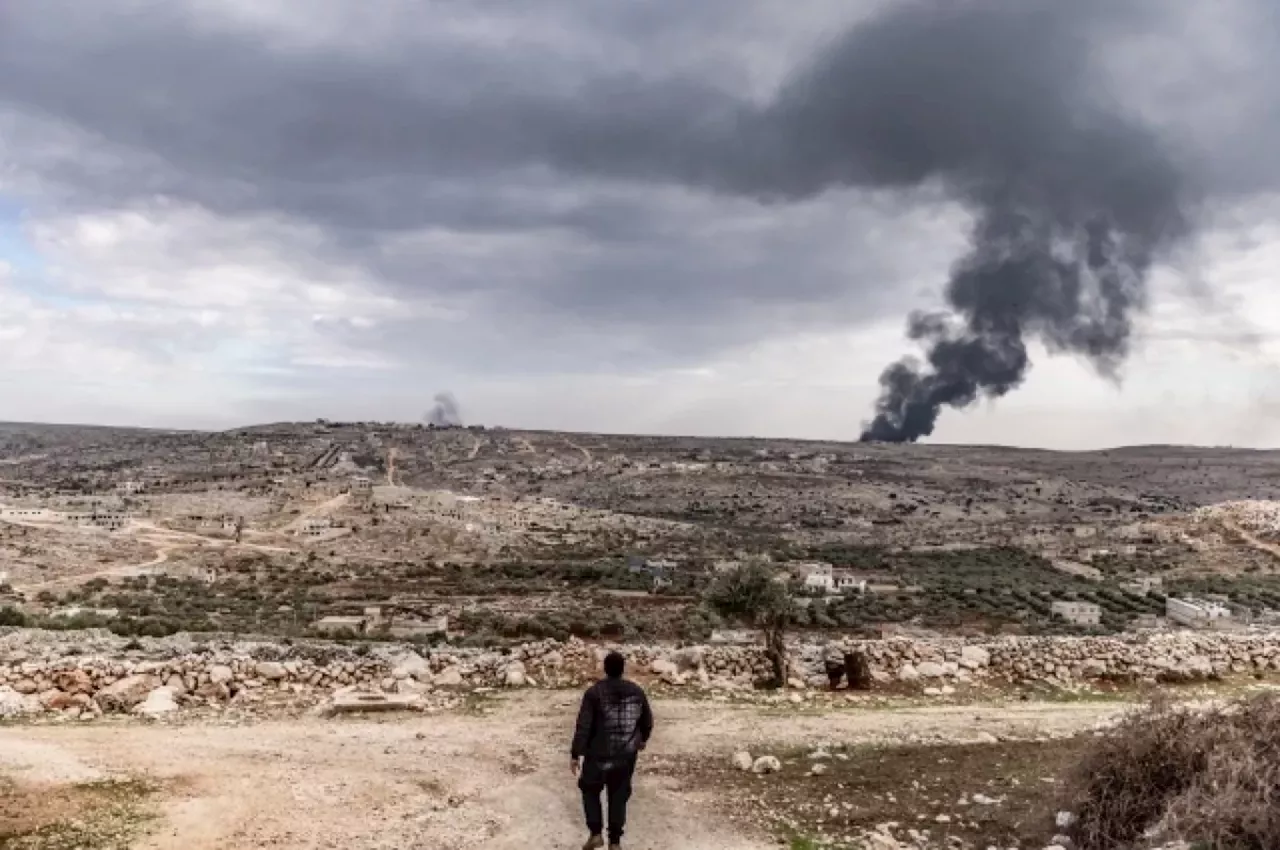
110 520
373 620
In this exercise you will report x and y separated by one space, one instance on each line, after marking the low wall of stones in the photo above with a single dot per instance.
86 674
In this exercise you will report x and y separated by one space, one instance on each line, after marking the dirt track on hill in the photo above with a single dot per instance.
497 779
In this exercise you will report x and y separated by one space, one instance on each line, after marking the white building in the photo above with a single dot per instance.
1142 585
109 520
337 624
414 627
315 527
29 514
130 488
1196 614
1080 613
803 569
847 582
820 581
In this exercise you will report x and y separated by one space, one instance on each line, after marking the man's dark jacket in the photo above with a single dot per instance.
613 722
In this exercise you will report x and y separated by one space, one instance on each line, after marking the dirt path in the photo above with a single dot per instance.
586 452
448 782
161 556
1261 545
165 541
324 508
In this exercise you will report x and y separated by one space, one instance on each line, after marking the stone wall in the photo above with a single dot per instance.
86 674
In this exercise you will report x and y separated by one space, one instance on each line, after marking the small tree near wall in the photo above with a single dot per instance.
749 594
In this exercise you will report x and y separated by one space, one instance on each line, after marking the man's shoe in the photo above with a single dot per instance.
595 842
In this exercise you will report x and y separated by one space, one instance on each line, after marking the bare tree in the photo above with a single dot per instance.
751 594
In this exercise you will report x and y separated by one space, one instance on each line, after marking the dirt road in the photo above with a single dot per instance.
498 780
1261 545
124 571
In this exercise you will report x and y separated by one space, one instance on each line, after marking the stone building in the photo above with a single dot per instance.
1079 613
1195 613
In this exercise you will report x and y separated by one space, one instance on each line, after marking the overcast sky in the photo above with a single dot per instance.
573 214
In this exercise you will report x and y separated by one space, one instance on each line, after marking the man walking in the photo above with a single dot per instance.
614 724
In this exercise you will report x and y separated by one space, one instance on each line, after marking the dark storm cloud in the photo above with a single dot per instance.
558 144
605 133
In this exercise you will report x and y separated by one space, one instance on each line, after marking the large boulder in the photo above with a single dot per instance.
56 700
411 687
450 677
514 676
1197 666
663 667
74 682
1094 667
743 761
162 700
128 692
221 674
14 704
411 665
688 659
974 657
271 670
931 670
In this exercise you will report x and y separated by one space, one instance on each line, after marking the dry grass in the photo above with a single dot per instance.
907 785
1211 777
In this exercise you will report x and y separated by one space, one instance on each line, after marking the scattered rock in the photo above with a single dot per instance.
410 665
126 693
662 667
743 761
766 764
271 670
160 701
14 704
514 677
931 670
974 657
450 677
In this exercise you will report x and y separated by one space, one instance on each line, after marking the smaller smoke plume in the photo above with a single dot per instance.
445 413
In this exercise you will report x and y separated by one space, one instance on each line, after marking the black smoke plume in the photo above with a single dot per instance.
1001 104
445 413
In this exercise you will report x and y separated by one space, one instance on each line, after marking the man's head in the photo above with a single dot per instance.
614 664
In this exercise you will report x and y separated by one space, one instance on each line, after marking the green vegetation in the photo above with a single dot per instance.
106 815
994 587
750 594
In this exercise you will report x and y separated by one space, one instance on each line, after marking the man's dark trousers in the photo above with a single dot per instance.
615 778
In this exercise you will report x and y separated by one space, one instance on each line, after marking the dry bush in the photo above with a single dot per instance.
1209 776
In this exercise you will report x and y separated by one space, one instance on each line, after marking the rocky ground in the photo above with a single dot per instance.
494 774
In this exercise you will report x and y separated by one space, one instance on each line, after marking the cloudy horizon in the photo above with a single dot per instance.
608 217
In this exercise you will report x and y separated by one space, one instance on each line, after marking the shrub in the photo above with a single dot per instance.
12 617
1204 776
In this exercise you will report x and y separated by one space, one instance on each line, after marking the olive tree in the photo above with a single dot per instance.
750 594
